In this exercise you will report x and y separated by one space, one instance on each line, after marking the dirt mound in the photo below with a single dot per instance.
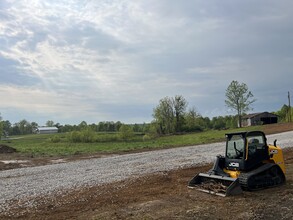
6 149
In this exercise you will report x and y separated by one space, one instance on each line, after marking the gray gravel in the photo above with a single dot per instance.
30 182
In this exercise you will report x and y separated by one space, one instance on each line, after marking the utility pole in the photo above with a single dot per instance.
289 110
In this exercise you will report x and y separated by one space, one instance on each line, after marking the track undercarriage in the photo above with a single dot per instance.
267 175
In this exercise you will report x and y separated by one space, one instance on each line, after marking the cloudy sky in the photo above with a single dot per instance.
110 60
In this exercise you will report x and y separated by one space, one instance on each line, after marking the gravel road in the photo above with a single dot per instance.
18 184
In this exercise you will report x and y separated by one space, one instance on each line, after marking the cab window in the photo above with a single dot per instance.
255 143
235 147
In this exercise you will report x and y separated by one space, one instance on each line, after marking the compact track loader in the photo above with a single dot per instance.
249 164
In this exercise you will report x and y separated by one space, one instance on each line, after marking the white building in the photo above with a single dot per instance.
46 130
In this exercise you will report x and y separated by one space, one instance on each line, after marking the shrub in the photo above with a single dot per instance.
74 136
88 135
107 138
55 139
126 132
147 137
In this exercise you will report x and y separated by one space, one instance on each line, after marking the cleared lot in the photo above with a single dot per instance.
34 191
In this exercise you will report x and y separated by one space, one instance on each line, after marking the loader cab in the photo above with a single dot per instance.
245 150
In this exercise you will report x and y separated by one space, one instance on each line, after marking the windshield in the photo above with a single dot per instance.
235 147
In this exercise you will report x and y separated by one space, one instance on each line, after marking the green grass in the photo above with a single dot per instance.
41 145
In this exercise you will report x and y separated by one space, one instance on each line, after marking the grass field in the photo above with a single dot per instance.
42 145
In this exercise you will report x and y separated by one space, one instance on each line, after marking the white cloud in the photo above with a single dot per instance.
38 100
121 53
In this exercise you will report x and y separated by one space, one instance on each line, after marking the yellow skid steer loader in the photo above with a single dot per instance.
249 164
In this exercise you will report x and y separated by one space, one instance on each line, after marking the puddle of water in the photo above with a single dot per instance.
58 161
13 161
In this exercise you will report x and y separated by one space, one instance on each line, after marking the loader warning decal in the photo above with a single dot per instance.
273 151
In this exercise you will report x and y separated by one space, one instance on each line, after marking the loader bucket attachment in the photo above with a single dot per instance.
215 184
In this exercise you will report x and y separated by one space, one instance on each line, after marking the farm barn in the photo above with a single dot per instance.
46 130
261 118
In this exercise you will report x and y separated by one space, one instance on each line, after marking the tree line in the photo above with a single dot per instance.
25 127
170 116
192 122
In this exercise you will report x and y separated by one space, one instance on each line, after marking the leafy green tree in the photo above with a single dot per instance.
101 126
205 122
93 127
7 127
137 128
170 115
164 116
110 126
219 123
239 98
193 120
66 128
50 123
126 132
231 121
118 124
82 125
283 113
34 125
57 125
24 127
179 105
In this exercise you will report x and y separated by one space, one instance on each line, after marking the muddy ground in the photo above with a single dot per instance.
164 196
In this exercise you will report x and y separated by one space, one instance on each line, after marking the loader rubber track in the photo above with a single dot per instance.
267 175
